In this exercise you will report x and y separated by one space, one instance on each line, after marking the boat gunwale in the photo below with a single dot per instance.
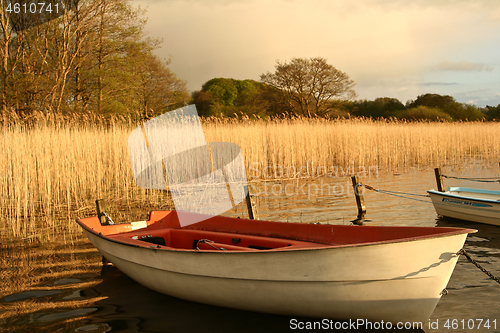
473 190
464 197
155 247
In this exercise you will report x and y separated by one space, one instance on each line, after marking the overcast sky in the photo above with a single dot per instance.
390 48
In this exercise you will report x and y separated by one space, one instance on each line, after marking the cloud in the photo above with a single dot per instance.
488 100
462 66
429 84
444 4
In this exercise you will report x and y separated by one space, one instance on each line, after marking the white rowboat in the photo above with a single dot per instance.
377 273
469 204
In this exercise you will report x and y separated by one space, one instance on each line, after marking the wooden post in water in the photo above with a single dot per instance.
252 215
439 179
360 200
100 215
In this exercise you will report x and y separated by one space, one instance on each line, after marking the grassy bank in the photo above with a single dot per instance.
52 172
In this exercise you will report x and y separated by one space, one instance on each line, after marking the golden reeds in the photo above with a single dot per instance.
327 146
53 170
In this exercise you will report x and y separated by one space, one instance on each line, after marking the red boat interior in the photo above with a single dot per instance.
186 239
218 233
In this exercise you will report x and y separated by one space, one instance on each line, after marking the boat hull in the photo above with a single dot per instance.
461 203
397 281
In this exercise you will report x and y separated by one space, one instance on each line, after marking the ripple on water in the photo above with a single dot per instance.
30 294
66 314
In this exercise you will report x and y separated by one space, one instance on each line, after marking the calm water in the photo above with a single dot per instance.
60 288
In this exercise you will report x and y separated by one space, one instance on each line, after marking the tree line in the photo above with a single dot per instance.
312 87
433 107
223 97
93 57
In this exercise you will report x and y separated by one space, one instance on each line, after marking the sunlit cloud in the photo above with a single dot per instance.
430 84
462 66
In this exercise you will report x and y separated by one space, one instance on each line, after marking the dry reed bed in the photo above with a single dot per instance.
340 144
52 172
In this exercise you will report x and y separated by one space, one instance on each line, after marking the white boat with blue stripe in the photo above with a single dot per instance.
468 204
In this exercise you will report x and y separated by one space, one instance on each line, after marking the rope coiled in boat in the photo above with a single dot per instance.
208 242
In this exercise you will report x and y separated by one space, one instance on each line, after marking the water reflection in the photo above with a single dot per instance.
45 288
161 313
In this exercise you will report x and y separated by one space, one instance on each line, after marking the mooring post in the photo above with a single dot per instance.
99 210
360 200
439 179
252 215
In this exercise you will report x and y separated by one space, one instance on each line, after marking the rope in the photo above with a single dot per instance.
482 180
208 242
463 252
398 194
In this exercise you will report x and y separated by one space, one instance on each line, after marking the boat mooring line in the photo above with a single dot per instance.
389 192
403 195
493 277
398 194
481 180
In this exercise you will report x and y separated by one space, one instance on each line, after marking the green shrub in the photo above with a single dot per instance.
425 113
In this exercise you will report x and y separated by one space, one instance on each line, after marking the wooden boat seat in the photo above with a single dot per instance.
188 239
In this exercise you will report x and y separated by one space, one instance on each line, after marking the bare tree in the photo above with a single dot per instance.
74 29
9 55
309 85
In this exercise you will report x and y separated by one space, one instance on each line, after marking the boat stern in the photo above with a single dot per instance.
157 220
